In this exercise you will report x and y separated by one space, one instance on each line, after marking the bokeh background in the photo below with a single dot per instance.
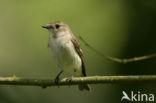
119 28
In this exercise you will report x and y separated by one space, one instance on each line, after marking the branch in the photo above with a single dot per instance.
79 80
118 60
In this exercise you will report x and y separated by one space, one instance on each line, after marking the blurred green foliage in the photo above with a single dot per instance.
117 27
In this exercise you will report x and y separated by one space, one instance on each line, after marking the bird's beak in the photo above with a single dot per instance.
45 26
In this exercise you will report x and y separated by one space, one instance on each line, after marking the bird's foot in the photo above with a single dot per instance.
69 79
57 79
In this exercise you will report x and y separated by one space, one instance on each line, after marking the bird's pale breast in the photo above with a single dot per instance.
64 54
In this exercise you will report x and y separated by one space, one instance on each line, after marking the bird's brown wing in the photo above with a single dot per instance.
79 51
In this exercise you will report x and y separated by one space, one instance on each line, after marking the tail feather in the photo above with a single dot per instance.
84 87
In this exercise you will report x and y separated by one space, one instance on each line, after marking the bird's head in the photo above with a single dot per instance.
57 28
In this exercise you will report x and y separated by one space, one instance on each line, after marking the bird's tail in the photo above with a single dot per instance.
84 87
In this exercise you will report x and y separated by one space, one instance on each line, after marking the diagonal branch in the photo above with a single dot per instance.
79 80
118 60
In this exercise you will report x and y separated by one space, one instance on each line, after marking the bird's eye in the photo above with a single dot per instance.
57 26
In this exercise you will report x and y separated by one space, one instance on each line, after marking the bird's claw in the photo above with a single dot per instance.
56 81
69 79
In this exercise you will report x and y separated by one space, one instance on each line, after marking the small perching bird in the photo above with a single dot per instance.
66 52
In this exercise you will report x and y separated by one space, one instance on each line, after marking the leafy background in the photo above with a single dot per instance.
120 28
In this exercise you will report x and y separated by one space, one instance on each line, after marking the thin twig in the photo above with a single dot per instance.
118 60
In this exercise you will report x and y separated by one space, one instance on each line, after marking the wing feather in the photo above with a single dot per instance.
79 51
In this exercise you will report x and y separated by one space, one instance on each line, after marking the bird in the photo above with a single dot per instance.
66 52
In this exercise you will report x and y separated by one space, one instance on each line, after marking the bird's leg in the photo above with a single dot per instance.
69 79
57 77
